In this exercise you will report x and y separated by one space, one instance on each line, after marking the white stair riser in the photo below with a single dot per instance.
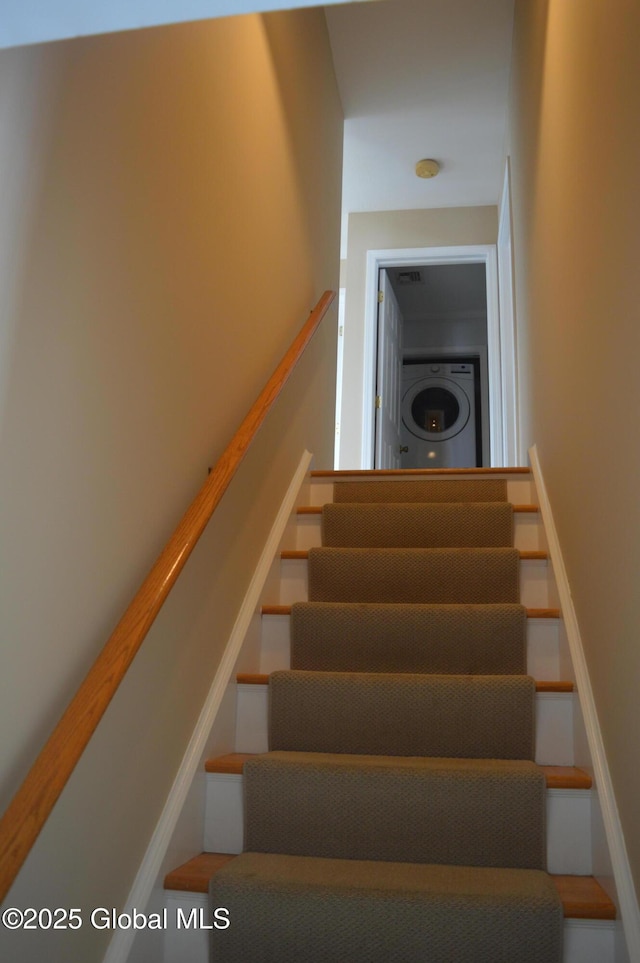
224 814
585 941
543 649
554 724
534 587
554 728
185 945
543 659
590 941
520 490
569 832
527 531
568 823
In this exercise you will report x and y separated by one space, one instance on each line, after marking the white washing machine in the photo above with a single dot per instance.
438 427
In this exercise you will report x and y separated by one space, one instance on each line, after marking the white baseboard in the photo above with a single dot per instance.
150 867
626 895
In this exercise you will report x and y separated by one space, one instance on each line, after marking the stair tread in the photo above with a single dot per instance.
303 554
262 678
562 685
432 472
231 762
531 613
194 875
558 777
317 509
582 896
567 777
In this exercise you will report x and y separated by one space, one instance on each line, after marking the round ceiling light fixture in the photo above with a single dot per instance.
427 168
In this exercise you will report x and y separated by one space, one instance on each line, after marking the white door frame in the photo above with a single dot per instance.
339 376
416 257
508 330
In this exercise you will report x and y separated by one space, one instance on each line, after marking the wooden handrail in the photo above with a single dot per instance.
34 800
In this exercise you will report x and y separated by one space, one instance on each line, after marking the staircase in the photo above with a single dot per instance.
420 794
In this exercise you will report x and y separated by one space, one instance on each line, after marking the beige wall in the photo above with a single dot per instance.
181 224
385 230
575 160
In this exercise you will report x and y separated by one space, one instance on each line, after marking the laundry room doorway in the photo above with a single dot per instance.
438 378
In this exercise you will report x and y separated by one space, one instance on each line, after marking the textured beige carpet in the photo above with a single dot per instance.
460 811
416 575
371 637
302 909
416 490
418 525
402 714
400 817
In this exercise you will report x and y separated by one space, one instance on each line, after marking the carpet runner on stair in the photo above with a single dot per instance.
414 575
415 490
296 908
418 525
398 637
399 815
402 714
423 810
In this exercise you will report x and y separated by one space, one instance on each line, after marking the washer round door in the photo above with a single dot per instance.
435 409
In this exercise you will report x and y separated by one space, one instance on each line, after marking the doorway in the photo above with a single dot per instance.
432 400
407 260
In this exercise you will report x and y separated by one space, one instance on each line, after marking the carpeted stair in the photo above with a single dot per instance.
414 525
414 575
398 637
399 815
402 714
463 811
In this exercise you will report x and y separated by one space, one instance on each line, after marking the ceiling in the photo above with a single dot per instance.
422 78
440 291
34 21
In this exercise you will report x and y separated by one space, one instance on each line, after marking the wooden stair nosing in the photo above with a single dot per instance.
557 777
262 678
582 896
303 554
531 613
194 875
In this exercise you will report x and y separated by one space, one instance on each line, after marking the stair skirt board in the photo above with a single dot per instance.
613 845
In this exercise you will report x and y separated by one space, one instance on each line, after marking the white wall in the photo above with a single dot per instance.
451 333
575 156
164 162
